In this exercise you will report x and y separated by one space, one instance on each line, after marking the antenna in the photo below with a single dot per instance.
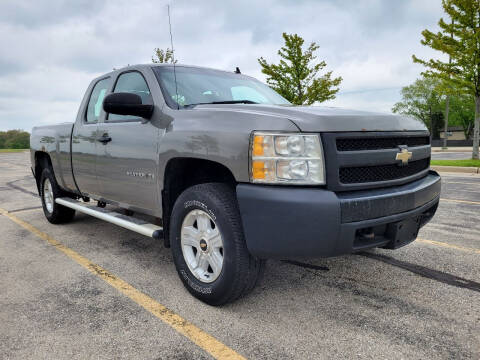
173 56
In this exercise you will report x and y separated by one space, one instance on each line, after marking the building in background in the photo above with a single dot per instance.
456 137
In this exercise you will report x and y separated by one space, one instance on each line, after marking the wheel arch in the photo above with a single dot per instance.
183 172
42 161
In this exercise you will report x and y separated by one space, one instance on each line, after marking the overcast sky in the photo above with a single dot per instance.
51 49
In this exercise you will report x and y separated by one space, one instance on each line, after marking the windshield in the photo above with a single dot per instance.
204 86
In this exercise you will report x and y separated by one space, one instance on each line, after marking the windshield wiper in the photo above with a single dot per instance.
225 102
234 102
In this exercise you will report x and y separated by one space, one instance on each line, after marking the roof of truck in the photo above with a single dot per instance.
168 65
152 65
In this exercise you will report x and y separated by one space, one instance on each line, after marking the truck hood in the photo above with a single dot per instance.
325 119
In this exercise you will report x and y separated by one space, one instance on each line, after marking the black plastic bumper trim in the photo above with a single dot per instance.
371 204
288 222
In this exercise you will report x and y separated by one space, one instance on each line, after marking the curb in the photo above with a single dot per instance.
456 169
451 150
468 149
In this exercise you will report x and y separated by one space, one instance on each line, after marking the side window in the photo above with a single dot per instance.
247 93
131 82
96 100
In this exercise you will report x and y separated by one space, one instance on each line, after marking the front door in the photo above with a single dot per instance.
127 158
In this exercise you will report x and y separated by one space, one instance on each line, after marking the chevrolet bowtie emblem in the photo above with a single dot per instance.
404 155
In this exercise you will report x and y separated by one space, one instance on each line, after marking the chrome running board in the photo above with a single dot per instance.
127 222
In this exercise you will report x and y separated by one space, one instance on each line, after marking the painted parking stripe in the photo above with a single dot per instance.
446 245
201 338
460 201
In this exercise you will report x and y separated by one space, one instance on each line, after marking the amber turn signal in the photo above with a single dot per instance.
258 145
258 170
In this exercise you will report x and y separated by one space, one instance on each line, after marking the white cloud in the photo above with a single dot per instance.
52 49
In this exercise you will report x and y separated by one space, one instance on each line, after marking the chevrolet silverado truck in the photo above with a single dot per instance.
228 173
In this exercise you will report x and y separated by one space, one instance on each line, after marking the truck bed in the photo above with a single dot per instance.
54 140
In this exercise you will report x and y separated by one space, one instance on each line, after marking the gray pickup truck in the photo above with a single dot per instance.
228 173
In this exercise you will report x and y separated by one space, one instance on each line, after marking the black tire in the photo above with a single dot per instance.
240 271
59 214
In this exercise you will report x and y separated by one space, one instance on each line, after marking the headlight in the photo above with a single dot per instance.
287 159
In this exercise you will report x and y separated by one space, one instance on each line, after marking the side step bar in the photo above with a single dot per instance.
127 222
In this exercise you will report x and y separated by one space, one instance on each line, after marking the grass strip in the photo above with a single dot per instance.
465 163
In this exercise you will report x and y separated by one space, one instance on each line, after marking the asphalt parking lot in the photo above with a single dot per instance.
421 301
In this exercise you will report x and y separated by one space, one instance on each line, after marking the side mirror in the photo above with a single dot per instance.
127 104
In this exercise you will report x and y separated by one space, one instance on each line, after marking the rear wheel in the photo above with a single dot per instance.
209 247
49 191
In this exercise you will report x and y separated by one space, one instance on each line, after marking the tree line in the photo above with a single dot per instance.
14 139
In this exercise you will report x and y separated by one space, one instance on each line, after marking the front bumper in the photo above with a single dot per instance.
291 222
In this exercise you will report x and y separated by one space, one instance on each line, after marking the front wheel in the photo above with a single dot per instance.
208 245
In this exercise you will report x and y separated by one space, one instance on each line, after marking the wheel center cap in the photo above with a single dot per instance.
203 245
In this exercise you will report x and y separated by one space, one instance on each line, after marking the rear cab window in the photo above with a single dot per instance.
95 102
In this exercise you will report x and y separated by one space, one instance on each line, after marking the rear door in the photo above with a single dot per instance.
84 139
127 160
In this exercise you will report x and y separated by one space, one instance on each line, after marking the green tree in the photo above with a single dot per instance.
14 139
460 40
3 137
463 113
163 56
297 76
422 101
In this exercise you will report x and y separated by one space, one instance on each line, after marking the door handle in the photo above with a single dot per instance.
105 139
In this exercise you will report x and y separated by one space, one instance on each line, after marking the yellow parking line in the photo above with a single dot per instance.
201 338
461 201
442 244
